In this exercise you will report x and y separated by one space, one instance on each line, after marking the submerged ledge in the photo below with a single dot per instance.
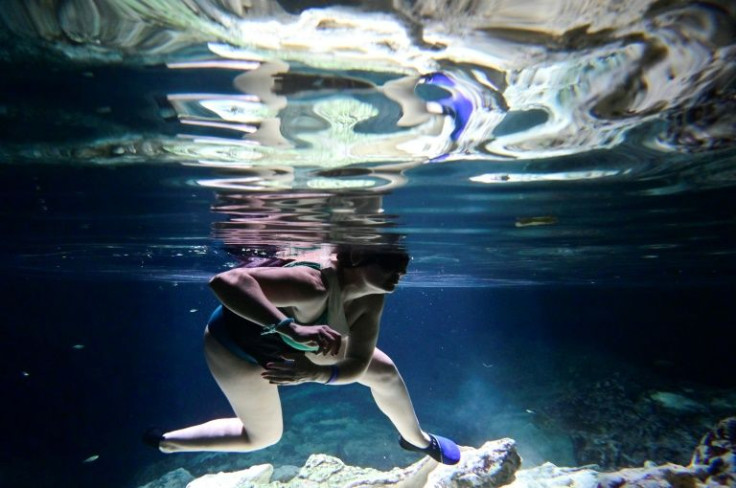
494 464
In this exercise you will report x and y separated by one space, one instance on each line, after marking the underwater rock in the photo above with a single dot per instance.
669 475
495 464
550 476
173 479
656 476
713 465
666 476
253 476
285 473
491 465
717 451
616 421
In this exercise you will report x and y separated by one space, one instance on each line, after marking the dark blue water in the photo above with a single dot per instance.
567 202
477 362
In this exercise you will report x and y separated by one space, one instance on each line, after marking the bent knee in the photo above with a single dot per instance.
262 436
266 440
383 371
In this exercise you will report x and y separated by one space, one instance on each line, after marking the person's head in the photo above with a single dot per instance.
382 267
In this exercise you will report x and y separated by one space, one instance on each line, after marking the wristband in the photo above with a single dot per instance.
333 375
271 329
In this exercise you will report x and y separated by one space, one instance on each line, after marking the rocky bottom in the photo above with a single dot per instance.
494 464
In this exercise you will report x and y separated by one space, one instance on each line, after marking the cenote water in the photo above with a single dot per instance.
562 174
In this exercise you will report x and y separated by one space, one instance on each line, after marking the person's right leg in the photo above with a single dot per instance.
392 397
390 393
256 403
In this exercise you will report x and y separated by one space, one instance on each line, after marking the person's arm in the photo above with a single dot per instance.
362 342
360 348
256 293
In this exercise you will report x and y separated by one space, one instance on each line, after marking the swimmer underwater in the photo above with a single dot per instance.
296 322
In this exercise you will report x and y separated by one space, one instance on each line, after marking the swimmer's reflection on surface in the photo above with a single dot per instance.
305 319
300 208
299 220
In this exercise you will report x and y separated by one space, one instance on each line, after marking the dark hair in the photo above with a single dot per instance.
387 257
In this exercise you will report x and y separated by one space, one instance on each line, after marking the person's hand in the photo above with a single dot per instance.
326 339
294 370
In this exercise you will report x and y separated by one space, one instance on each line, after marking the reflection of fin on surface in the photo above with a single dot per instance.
457 105
413 109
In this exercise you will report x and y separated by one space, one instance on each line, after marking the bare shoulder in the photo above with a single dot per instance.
297 283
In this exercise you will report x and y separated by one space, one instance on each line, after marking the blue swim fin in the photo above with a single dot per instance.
440 448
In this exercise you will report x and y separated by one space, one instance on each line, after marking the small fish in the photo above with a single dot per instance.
92 458
530 411
78 347
193 310
25 374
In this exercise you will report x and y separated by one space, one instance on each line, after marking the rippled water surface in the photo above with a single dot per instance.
510 146
599 136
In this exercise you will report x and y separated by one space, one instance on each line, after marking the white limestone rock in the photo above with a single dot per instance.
665 476
254 476
491 465
285 473
550 476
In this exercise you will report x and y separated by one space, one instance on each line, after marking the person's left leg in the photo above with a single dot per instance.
256 403
390 393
